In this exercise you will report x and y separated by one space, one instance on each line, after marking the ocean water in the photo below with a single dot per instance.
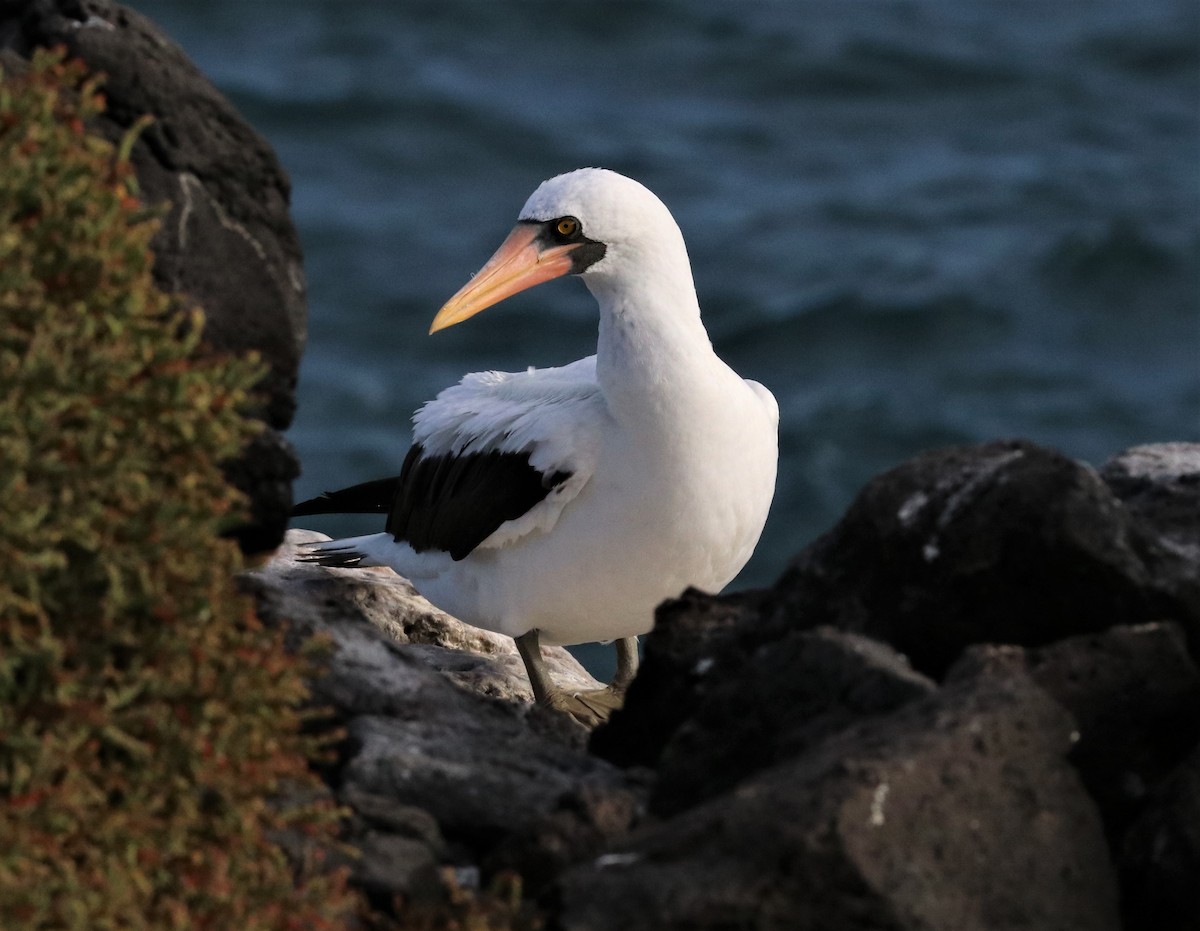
919 223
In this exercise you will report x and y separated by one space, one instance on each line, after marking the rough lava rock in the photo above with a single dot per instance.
682 655
1160 858
1160 483
227 239
784 700
977 550
956 811
1135 696
1005 542
444 758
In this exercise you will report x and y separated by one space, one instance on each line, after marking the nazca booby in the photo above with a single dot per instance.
562 505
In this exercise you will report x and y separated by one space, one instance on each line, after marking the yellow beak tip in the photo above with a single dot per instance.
518 264
441 321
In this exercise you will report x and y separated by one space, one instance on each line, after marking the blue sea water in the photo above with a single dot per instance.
919 223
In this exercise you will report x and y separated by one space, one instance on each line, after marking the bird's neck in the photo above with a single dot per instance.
653 354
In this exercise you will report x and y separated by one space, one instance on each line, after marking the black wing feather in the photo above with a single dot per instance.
455 502
447 502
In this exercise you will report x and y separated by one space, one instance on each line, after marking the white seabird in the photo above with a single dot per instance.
562 505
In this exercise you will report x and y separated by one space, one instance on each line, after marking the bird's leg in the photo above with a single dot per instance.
588 708
601 703
545 692
530 648
627 664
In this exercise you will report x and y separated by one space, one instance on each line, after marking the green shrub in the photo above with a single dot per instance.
149 725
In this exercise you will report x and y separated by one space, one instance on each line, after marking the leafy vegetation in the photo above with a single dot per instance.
149 725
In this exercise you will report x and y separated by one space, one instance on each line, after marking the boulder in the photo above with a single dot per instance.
1160 484
227 238
1135 695
400 848
580 827
443 758
784 700
1160 857
1005 542
958 810
975 550
693 639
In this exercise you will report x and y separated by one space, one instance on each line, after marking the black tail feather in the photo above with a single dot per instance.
373 497
346 558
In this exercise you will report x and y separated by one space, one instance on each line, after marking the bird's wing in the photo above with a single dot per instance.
497 457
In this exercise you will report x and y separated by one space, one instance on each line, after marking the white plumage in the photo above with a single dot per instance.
656 459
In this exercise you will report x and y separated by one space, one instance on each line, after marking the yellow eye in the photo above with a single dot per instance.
567 226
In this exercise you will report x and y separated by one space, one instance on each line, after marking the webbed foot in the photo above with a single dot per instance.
588 708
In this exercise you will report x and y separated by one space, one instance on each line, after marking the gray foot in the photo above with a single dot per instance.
588 708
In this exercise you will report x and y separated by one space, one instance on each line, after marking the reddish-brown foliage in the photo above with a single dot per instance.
149 725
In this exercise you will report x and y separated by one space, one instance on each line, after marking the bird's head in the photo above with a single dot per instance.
591 222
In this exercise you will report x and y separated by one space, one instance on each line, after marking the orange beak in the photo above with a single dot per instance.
517 265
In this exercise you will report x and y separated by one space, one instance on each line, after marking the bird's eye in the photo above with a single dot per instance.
566 227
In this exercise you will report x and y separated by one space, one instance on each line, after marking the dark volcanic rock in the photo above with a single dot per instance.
1160 483
1135 695
443 761
957 811
480 769
762 727
785 699
692 638
1160 861
999 543
1007 542
400 847
582 824
227 240
264 472
478 766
